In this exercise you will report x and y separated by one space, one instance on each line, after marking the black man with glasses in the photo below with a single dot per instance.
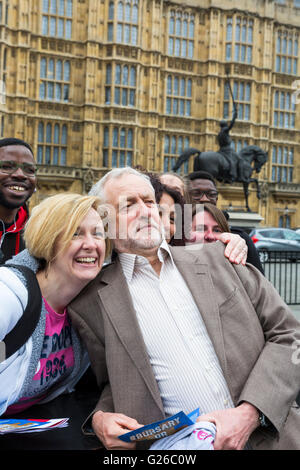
17 183
202 188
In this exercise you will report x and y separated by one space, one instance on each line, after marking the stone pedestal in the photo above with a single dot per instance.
245 220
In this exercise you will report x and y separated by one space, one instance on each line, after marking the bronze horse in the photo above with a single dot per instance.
216 164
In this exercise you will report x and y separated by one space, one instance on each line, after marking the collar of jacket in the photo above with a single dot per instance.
22 216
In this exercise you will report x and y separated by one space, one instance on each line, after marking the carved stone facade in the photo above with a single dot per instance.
97 84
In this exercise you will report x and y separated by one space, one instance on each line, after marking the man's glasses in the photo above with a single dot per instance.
199 194
10 167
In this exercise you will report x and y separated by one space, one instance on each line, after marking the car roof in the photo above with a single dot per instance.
277 229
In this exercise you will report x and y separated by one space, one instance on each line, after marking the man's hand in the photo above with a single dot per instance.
108 426
234 426
236 250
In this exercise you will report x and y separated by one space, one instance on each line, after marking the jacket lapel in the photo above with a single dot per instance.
115 297
197 277
116 300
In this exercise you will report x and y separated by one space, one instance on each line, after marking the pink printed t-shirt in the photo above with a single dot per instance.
56 361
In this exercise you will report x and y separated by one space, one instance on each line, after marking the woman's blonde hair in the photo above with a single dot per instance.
57 217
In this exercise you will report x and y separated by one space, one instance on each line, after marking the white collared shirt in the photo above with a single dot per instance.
180 351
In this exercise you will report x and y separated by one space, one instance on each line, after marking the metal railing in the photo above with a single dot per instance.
282 269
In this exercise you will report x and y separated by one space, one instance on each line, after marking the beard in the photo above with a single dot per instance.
137 244
146 243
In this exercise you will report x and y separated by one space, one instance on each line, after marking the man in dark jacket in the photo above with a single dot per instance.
202 188
17 183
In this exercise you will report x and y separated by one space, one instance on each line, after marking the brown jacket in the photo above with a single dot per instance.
252 330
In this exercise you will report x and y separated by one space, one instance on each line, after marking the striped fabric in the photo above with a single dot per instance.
181 354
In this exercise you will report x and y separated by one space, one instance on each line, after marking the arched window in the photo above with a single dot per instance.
42 90
181 34
55 79
118 74
41 132
132 76
108 74
50 70
125 75
286 60
58 70
127 21
66 71
130 139
242 96
43 68
123 138
284 110
174 145
282 164
179 94
239 37
53 7
116 137
105 147
106 137
120 11
56 134
124 87
111 11
45 6
56 142
56 18
48 133
121 147
52 143
64 135
69 8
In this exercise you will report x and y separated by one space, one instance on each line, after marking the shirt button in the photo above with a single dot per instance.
226 402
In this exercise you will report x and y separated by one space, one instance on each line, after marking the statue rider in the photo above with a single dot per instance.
226 149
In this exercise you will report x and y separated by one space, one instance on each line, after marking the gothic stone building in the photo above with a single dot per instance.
96 84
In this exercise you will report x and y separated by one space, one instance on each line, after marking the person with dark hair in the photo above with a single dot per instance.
208 223
173 180
176 213
17 183
171 208
202 189
200 174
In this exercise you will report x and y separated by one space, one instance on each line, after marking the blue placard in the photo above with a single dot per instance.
160 429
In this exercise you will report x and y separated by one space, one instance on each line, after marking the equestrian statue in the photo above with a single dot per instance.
226 165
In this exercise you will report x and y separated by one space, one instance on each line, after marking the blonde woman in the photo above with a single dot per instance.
65 243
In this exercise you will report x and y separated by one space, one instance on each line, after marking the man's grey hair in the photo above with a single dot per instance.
98 188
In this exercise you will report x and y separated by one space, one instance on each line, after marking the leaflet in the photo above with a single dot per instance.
31 425
160 429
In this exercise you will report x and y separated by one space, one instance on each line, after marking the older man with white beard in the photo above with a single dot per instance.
170 329
136 222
